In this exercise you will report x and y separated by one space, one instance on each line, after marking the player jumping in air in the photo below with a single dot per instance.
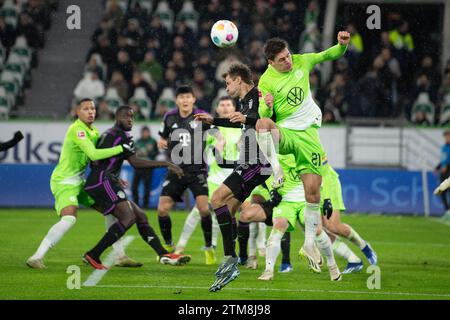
182 136
104 187
67 182
251 171
11 143
285 85
224 142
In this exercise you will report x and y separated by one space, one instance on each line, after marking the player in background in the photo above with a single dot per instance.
286 206
332 190
103 185
262 212
252 170
285 84
11 143
225 142
264 197
182 136
444 175
67 181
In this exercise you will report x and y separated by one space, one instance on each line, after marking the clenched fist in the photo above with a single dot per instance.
343 37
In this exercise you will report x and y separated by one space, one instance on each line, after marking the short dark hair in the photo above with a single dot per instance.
224 98
84 100
184 89
273 47
446 132
145 128
122 109
240 70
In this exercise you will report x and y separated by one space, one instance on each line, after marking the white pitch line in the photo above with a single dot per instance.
286 290
391 243
438 220
97 275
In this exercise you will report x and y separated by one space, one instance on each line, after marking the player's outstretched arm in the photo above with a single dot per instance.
219 122
11 143
333 53
139 163
94 154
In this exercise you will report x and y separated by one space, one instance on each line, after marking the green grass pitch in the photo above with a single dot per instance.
414 259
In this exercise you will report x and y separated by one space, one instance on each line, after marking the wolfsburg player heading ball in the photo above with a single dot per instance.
224 33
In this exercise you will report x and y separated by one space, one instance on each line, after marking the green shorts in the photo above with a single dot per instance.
290 211
70 195
305 145
331 188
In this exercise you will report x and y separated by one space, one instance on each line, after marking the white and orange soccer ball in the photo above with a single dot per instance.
224 33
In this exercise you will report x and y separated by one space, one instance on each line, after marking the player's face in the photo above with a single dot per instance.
126 120
225 108
282 61
86 112
233 86
185 102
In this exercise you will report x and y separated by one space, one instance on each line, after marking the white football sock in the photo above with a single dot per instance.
215 228
324 244
110 220
191 222
252 239
342 250
273 249
356 238
53 236
312 218
261 240
267 147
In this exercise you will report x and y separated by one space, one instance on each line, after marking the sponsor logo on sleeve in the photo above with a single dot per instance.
81 134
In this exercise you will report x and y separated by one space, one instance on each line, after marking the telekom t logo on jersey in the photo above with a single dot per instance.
185 139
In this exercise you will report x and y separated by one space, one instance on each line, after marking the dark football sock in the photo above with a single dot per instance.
243 235
207 230
224 220
286 247
148 235
165 225
113 234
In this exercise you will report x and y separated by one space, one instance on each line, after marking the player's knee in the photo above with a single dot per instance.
263 124
313 196
163 209
331 227
217 200
280 224
127 220
203 208
245 217
140 216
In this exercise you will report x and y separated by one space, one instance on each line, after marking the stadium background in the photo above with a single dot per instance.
385 103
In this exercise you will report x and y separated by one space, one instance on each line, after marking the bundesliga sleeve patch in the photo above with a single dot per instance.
81 134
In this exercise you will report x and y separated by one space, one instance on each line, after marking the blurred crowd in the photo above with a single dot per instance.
23 24
143 49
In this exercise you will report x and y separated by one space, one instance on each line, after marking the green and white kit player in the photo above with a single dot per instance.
67 181
336 229
225 141
285 96
285 216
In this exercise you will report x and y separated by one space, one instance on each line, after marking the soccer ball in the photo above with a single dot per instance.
224 33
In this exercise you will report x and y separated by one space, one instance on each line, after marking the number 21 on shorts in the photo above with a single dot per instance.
316 159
